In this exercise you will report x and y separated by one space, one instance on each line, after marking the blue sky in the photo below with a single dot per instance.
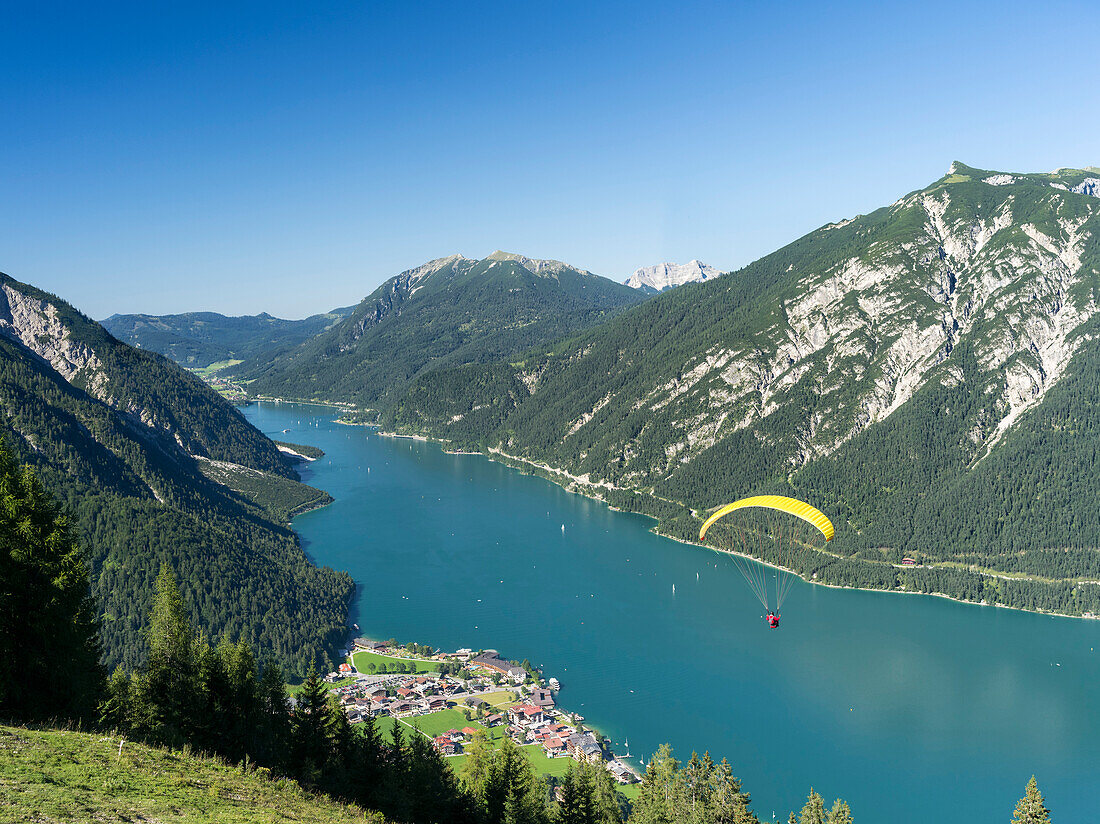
247 157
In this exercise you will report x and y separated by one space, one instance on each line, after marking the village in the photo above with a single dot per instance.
454 697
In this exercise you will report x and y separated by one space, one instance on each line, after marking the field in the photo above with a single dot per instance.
436 723
362 659
543 765
294 689
62 776
208 371
499 699
439 722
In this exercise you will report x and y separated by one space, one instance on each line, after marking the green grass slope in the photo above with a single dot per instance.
63 777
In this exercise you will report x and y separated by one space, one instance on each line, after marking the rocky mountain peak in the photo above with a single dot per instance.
668 275
532 265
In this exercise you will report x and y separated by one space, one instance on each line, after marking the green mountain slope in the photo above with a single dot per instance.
925 372
447 312
198 339
66 776
136 447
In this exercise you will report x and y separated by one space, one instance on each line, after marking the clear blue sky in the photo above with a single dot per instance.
289 157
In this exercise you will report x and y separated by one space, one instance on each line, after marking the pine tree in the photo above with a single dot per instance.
273 729
368 767
731 805
656 803
168 688
1031 809
115 711
605 796
310 736
840 813
813 812
47 618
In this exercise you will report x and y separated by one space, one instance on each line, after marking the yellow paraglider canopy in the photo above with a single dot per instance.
794 507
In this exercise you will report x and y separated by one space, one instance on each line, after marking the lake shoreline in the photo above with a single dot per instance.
585 488
581 486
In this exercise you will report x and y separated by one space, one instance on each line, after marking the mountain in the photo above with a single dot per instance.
655 279
448 312
199 339
926 373
153 466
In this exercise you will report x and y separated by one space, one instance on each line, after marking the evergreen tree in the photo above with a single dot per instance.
168 688
273 709
813 811
1031 809
608 806
115 710
47 618
656 803
840 813
310 733
366 782
731 805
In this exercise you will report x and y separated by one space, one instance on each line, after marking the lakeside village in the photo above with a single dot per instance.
453 697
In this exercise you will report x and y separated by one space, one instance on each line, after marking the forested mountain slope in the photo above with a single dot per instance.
199 339
448 312
123 437
927 373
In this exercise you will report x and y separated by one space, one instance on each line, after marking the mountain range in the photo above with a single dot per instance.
154 467
926 373
198 339
446 313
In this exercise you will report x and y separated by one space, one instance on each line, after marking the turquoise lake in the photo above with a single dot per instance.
912 708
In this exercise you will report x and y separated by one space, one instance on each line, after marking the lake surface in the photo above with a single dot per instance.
912 708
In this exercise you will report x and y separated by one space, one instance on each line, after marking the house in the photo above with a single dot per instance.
402 707
474 701
377 693
346 669
590 753
445 745
582 746
404 693
438 703
527 713
553 747
517 674
469 732
621 772
542 698
493 720
908 562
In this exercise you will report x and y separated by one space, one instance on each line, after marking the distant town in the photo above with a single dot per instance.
455 697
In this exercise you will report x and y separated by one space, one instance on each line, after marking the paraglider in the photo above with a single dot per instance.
762 527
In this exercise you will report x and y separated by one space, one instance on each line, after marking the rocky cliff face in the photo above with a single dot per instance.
1005 271
805 349
35 323
654 279
145 387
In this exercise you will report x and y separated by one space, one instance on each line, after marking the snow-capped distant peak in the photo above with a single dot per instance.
667 275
